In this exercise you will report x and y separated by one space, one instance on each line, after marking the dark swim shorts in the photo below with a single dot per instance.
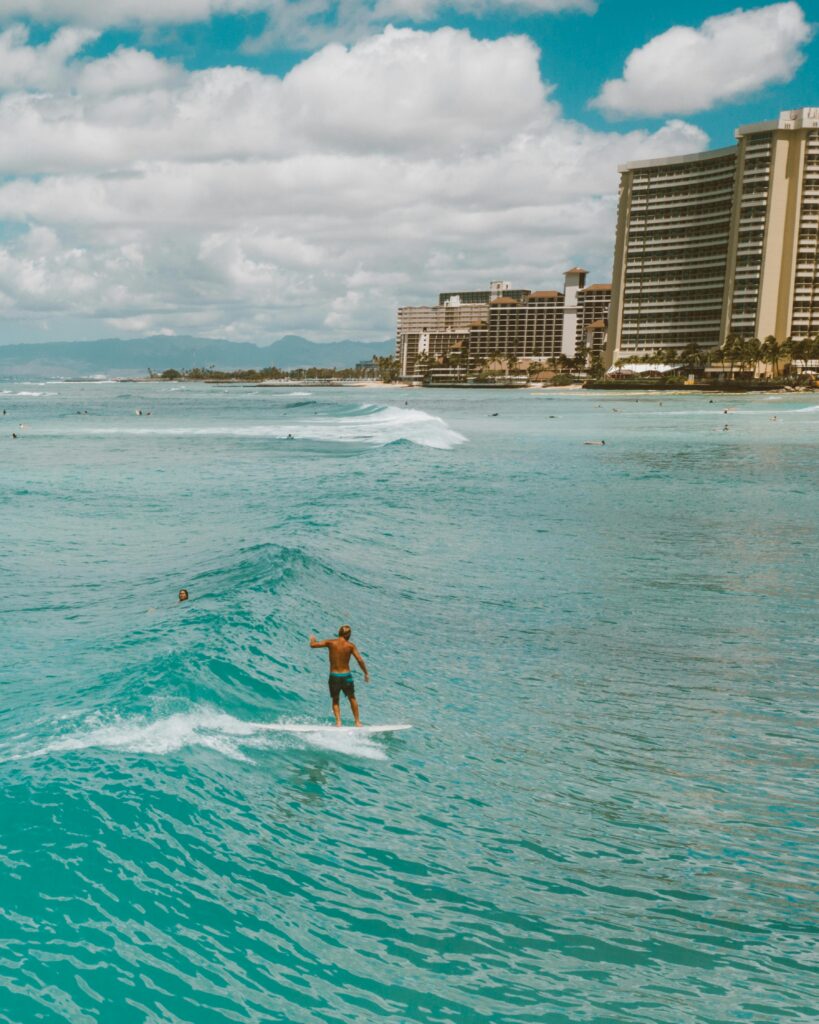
341 682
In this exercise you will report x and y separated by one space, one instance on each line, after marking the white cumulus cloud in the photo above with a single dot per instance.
246 205
298 23
686 70
38 67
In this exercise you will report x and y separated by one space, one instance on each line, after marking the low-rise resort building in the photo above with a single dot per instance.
503 329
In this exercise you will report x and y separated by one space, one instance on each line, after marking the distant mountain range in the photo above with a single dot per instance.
132 358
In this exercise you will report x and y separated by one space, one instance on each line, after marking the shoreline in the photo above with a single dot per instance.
538 388
329 383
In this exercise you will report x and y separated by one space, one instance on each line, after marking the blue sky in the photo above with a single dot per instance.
152 185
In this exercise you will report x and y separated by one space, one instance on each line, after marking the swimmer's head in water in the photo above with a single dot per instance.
344 632
183 595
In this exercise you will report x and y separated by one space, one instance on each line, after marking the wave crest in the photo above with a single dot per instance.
368 425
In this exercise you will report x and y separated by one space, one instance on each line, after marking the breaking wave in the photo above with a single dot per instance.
368 424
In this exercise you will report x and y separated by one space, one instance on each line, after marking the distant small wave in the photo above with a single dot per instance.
199 727
30 394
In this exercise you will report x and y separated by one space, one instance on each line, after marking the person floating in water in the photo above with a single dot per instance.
341 678
183 595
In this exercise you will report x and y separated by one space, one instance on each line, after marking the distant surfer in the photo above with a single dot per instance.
340 650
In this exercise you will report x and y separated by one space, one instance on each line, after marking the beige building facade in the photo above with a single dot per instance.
772 270
671 250
593 303
503 324
431 331
720 243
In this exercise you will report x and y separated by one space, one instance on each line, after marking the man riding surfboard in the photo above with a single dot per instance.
340 650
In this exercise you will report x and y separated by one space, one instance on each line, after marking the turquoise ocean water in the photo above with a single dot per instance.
606 809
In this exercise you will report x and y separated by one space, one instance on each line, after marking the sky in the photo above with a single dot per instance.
246 169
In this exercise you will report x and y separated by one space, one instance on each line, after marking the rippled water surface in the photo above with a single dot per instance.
606 808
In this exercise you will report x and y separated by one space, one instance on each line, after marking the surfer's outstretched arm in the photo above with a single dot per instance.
360 661
318 643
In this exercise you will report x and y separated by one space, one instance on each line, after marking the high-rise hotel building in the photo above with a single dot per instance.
718 243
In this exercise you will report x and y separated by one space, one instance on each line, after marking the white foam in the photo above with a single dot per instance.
30 394
205 727
345 741
311 727
374 425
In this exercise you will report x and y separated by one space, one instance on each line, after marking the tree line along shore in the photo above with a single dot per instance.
382 369
738 364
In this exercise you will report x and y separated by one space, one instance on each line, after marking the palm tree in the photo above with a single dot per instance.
752 352
805 350
810 351
787 348
741 353
813 348
534 368
731 349
457 358
423 363
495 356
387 367
771 351
797 349
710 356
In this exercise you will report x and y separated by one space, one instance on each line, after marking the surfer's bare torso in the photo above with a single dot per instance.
339 650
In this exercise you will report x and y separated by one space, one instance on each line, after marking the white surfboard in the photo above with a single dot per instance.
324 728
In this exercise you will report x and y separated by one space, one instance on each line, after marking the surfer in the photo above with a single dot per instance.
340 650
